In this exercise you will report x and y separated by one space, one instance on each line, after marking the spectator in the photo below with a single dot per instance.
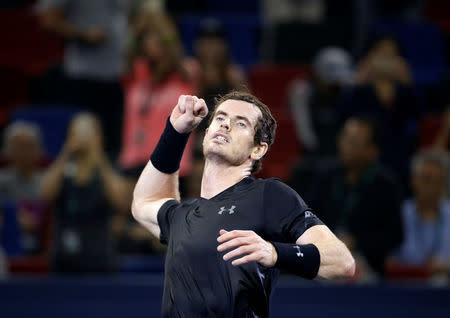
85 191
317 106
158 78
19 182
357 197
212 68
426 216
94 58
385 93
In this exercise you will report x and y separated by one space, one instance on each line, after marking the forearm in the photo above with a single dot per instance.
53 20
52 180
154 185
335 258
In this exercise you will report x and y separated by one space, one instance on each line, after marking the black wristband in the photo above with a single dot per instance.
302 260
168 152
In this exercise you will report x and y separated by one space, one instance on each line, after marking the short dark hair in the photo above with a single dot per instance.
265 128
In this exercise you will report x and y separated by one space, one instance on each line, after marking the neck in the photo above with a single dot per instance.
427 209
354 174
218 176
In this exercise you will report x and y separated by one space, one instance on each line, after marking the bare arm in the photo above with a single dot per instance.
53 20
335 259
52 180
154 188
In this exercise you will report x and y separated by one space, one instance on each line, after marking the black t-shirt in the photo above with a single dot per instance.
83 238
198 282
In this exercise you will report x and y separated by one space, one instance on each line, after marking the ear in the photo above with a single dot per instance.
259 151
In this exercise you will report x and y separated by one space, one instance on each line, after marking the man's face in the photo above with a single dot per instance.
429 182
24 151
230 135
355 146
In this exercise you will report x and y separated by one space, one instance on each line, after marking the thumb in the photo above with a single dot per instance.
222 232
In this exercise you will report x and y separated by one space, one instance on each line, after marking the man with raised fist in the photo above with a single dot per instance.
225 249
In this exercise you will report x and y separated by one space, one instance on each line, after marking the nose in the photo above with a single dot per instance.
225 124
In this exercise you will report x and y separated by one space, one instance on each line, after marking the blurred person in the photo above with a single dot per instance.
157 78
426 216
384 63
85 192
358 198
225 249
214 71
94 59
385 92
20 181
317 106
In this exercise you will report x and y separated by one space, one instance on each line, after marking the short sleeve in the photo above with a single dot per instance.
165 217
287 216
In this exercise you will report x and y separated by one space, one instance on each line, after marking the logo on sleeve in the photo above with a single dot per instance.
299 253
308 214
230 210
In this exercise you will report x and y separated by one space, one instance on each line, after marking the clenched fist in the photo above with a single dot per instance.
188 113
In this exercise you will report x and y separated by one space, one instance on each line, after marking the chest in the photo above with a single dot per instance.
196 232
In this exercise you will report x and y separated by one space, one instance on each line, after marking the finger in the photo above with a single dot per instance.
181 103
189 103
245 259
222 231
234 242
200 108
232 234
246 249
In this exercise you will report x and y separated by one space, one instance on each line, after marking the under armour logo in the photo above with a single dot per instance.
230 210
308 214
299 254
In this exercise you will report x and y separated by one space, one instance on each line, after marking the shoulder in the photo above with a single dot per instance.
276 190
174 204
408 208
445 208
6 175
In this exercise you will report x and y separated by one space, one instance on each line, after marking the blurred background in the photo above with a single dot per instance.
361 93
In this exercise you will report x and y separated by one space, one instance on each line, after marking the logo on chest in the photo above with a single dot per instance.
230 210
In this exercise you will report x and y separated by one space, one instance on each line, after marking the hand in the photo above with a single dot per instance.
96 149
93 36
248 243
71 147
188 113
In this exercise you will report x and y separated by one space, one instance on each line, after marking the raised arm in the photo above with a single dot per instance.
335 259
54 20
158 181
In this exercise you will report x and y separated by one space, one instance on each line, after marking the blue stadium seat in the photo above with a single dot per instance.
53 122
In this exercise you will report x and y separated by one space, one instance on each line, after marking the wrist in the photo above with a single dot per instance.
302 260
168 152
274 255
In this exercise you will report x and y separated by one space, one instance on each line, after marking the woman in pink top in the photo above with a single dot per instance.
156 81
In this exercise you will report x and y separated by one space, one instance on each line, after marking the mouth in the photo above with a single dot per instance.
221 137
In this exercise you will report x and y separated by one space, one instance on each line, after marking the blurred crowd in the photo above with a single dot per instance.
368 149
